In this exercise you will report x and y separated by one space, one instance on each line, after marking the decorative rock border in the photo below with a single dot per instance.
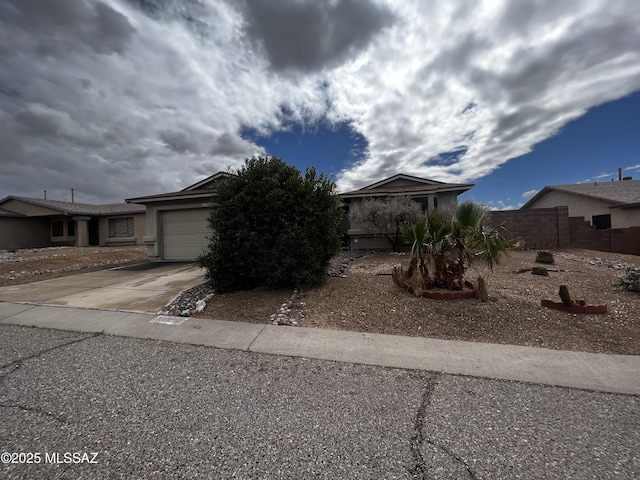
590 309
291 313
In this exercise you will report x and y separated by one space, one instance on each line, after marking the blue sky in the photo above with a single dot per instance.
124 98
588 149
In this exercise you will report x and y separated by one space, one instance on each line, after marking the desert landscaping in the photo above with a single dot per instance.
362 297
36 264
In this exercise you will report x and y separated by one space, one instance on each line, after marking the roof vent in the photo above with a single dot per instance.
627 178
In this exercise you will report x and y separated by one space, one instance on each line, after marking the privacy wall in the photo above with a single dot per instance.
553 228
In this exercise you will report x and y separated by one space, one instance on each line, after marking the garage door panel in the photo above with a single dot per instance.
185 234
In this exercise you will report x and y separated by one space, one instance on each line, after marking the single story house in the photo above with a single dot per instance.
430 194
27 222
603 204
177 222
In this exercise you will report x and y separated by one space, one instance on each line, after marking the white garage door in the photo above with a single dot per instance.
184 233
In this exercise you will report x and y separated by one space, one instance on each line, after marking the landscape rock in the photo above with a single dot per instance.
290 313
631 280
190 302
340 263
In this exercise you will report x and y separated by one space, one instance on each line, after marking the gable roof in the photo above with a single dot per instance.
204 189
208 182
403 176
74 208
418 186
615 193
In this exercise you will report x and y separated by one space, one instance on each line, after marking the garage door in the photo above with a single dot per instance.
184 233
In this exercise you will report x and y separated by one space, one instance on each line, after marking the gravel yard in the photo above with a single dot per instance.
366 300
363 298
36 264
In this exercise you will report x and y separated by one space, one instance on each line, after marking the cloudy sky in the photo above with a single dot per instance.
121 98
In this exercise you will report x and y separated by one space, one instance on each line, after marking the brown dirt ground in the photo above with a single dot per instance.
366 300
36 264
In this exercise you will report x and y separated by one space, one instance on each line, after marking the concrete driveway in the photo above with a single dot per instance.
144 288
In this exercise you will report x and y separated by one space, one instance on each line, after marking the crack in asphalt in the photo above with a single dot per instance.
34 409
46 350
420 468
16 364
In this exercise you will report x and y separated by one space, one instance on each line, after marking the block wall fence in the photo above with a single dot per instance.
553 228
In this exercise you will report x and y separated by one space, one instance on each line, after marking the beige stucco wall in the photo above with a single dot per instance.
625 217
447 200
401 182
578 206
24 233
28 209
139 227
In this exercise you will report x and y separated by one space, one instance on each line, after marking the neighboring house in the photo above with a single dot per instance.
428 193
603 204
33 222
177 222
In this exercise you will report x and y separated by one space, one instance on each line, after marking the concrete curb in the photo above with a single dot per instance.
599 372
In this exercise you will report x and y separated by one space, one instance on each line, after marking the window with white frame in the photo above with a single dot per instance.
121 227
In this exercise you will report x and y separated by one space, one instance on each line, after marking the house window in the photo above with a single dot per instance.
423 201
71 228
601 222
57 229
435 202
121 227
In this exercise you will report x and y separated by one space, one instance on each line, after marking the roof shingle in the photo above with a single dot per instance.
74 208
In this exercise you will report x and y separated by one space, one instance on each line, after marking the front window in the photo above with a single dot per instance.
121 227
57 229
601 222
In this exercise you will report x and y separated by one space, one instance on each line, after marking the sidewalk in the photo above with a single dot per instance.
599 372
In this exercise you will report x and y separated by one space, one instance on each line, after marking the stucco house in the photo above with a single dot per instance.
178 228
430 194
603 204
177 222
27 222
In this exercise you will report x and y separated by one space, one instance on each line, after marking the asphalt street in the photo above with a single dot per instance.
158 409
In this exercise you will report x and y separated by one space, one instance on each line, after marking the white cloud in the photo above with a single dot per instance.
529 193
500 205
488 79
126 98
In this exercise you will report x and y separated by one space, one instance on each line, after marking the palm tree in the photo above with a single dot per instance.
447 244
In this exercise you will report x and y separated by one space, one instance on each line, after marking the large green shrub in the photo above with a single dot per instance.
271 226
